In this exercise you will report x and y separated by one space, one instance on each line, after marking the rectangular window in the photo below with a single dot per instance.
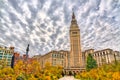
74 32
5 56
0 57
1 53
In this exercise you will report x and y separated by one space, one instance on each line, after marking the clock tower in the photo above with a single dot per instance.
75 51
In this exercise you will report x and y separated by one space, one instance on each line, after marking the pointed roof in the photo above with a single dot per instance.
73 15
73 22
73 18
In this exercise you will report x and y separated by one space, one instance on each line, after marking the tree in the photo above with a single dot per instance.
91 62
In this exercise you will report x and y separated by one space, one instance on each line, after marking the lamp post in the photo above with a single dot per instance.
26 60
27 50
12 61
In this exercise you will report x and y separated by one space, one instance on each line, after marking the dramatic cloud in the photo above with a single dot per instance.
44 24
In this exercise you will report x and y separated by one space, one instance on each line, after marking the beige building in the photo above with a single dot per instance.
75 60
104 56
75 51
55 58
76 57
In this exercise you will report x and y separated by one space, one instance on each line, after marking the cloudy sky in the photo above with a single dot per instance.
44 24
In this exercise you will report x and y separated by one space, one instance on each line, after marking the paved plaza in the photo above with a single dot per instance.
68 78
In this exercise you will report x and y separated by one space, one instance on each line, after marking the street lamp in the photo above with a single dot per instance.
27 50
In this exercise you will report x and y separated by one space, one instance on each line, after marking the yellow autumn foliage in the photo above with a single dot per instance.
116 76
105 72
30 71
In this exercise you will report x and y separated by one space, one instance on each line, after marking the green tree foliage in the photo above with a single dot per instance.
91 62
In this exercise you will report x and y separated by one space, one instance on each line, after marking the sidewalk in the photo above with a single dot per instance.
68 78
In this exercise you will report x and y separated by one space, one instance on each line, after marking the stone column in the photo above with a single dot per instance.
106 57
97 59
109 55
100 55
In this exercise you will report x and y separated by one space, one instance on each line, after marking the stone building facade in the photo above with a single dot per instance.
54 58
76 57
75 60
75 51
104 56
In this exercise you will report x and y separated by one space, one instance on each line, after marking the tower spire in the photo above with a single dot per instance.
73 21
73 15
